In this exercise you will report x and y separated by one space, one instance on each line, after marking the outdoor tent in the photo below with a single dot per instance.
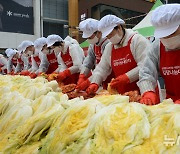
145 27
84 45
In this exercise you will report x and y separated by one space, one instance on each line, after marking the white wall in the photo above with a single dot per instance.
12 40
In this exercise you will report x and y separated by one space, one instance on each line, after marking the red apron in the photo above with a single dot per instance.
97 52
170 71
3 71
68 62
123 61
37 60
1 65
30 60
53 64
20 61
14 61
98 55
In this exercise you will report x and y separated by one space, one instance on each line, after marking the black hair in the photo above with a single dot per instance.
59 43
123 29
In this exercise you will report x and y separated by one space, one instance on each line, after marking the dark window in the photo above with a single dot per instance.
54 28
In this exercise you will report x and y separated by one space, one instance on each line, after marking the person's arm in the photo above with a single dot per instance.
139 46
77 58
43 67
61 64
89 61
18 68
9 65
34 66
25 63
148 74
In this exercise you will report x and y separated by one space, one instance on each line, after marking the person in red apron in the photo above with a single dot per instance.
123 56
52 53
70 57
89 27
40 60
3 64
14 63
27 51
32 52
164 58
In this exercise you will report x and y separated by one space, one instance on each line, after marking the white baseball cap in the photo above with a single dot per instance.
71 40
39 43
51 39
88 27
166 20
107 24
26 44
10 52
19 48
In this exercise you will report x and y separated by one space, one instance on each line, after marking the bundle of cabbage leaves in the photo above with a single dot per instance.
36 117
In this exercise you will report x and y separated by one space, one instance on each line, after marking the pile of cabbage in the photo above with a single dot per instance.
36 118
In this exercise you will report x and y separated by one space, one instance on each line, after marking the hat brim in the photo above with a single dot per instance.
160 33
37 50
50 43
24 49
87 35
107 32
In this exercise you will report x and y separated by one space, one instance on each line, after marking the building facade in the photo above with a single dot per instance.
30 19
121 8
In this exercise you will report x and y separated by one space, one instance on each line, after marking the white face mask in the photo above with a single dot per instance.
115 39
57 50
93 41
172 42
45 51
25 55
29 53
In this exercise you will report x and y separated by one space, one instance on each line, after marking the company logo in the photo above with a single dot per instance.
69 62
122 61
53 61
10 13
174 70
171 141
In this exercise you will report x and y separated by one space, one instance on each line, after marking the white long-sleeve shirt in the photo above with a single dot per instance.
43 64
90 60
3 63
19 66
139 47
149 74
77 55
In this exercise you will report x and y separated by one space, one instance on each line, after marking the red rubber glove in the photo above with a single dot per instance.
81 79
177 101
119 81
149 98
92 88
12 73
40 73
25 73
33 75
64 74
84 85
